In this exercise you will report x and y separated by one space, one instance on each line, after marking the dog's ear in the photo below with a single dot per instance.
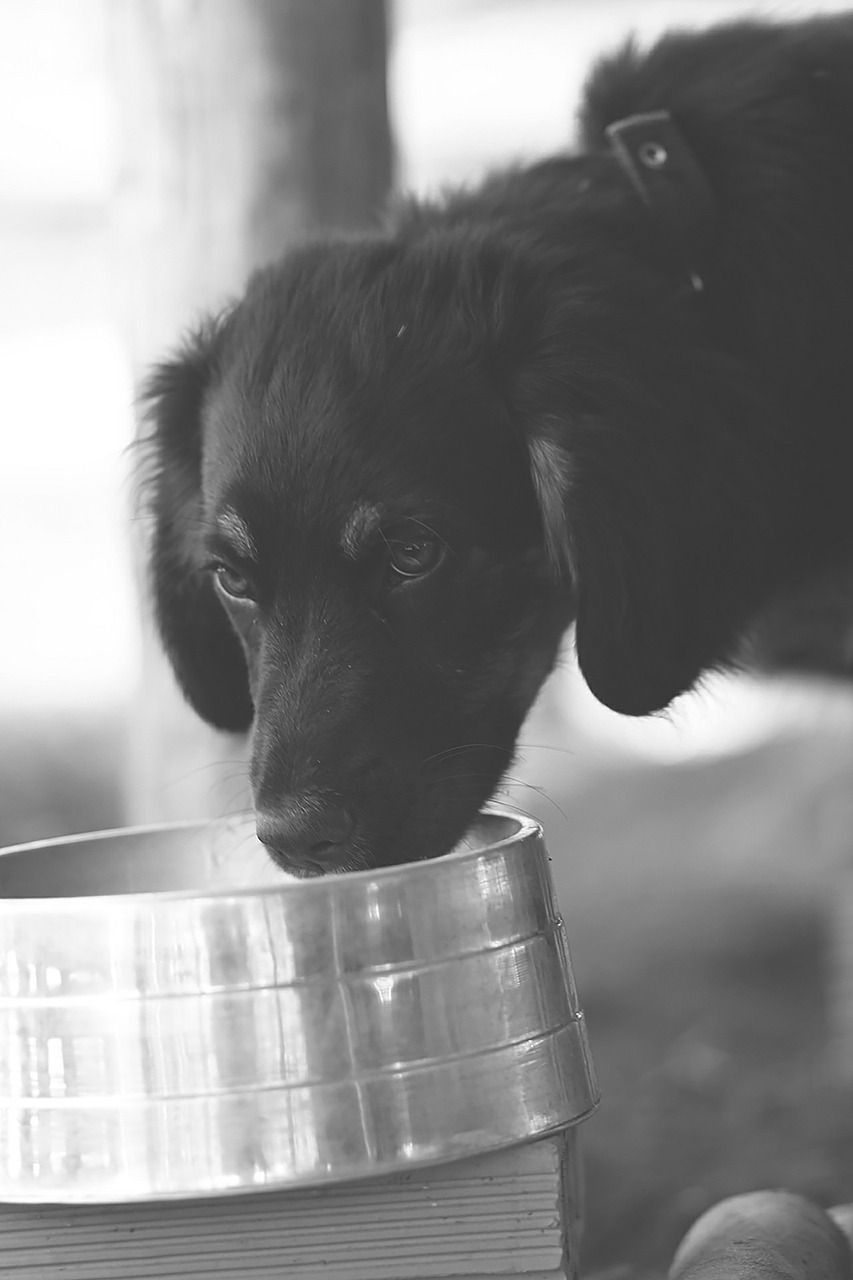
653 514
204 651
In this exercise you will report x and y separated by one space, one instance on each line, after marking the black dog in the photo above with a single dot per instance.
614 388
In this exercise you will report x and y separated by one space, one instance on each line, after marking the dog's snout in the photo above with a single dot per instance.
305 831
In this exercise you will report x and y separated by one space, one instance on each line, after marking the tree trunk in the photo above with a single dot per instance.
243 125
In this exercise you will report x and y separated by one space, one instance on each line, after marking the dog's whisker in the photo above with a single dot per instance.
466 746
208 765
546 746
447 779
221 792
232 804
222 764
509 783
526 813
229 786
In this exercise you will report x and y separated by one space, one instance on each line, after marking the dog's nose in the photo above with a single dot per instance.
306 831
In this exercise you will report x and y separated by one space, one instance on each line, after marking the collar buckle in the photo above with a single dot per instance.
670 182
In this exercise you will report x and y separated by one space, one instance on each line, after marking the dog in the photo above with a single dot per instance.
612 389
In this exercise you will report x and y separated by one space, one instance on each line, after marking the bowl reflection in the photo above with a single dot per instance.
178 1017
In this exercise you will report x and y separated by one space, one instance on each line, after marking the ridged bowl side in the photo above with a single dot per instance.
170 1042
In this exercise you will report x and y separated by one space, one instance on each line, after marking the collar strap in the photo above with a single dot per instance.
670 182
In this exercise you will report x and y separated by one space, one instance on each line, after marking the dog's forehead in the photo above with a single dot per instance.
333 317
302 345
308 389
266 468
315 316
275 477
342 392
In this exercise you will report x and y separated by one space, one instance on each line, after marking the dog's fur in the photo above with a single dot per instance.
517 387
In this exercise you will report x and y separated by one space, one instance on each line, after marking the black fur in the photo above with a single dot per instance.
523 372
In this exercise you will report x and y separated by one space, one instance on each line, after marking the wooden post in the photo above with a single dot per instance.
243 126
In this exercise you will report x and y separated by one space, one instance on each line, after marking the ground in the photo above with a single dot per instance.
701 902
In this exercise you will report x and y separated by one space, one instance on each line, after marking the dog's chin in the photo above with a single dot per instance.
298 872
346 862
399 853
310 870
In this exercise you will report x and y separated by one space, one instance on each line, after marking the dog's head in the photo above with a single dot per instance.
348 550
383 483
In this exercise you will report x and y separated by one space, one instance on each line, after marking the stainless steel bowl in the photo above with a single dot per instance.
167 1029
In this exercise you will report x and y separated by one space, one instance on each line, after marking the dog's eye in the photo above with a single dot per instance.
413 557
232 584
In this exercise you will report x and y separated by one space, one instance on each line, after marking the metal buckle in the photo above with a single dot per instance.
670 182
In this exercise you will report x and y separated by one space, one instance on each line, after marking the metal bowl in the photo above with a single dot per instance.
166 1030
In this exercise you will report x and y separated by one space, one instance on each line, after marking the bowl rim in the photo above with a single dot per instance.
528 828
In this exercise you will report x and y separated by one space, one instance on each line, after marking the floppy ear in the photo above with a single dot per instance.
655 511
197 636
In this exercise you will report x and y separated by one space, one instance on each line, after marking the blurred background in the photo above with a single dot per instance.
700 856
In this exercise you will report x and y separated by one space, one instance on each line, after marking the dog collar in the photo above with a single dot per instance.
663 171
